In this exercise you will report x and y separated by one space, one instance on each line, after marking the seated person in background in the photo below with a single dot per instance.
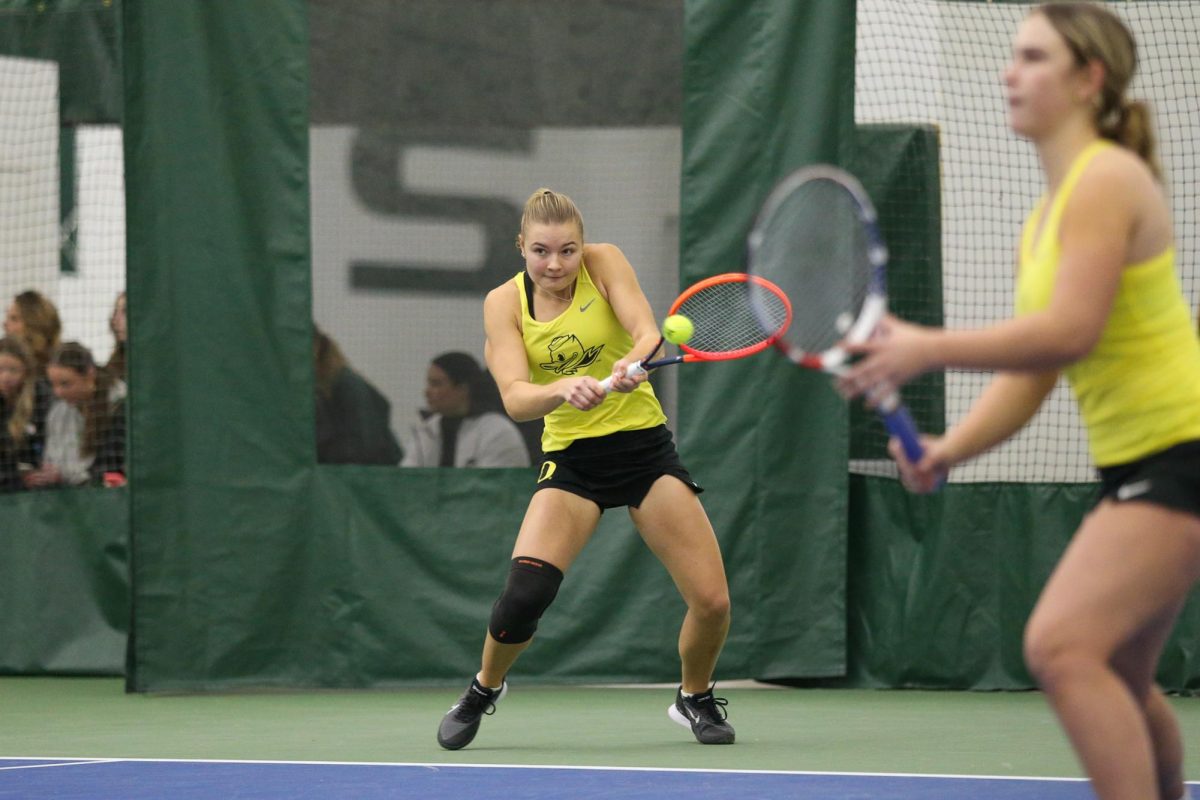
352 415
464 425
24 401
116 323
85 428
34 319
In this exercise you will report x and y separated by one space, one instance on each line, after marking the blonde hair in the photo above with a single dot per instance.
1093 33
42 326
22 407
548 207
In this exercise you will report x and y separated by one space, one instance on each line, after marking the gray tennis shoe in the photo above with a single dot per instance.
705 715
461 722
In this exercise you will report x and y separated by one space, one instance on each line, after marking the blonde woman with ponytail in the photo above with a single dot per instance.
1098 299
572 316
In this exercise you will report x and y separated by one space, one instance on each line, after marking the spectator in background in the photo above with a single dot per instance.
116 323
33 318
353 424
464 425
24 401
85 428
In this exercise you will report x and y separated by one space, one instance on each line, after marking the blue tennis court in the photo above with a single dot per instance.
85 738
136 779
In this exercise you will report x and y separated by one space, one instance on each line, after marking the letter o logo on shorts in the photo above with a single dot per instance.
547 472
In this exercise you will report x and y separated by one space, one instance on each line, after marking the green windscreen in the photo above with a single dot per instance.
899 167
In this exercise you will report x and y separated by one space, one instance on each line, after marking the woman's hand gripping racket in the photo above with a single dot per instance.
724 326
817 237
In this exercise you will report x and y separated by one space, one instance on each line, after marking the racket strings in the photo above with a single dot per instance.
724 320
824 314
813 246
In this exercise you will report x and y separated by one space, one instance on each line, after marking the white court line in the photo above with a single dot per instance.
438 766
71 763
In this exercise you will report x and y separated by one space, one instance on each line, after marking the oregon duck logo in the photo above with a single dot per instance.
568 355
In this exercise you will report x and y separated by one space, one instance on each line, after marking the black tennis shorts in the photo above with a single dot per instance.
614 470
1168 478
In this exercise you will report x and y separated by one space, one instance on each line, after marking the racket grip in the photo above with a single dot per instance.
899 423
632 371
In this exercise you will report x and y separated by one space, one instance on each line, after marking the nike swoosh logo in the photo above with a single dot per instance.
1133 490
584 307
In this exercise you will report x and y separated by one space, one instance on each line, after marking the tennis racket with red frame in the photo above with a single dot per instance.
817 237
724 324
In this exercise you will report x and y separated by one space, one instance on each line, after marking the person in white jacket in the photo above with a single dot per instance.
462 425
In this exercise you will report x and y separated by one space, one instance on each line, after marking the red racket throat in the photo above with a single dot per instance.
725 325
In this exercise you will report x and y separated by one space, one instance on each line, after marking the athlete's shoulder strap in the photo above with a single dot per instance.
528 284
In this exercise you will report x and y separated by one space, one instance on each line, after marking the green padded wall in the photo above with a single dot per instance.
64 584
217 209
64 588
84 37
254 566
766 90
941 586
899 168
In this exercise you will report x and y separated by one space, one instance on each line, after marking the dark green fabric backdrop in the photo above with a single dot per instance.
941 586
766 90
64 586
217 205
253 566
64 601
84 37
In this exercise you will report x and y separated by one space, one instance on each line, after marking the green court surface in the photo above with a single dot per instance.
838 730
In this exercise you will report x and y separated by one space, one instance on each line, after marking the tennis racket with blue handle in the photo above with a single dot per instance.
817 238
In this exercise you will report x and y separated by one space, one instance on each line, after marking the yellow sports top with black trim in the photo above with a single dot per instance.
1139 388
586 339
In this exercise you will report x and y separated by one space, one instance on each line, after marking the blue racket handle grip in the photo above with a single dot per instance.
632 371
899 423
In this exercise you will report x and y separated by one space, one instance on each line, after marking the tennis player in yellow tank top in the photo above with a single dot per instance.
1098 299
572 317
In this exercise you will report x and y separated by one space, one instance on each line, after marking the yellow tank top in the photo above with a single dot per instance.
1139 389
586 339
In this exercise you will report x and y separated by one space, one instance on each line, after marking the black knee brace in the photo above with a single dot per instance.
531 587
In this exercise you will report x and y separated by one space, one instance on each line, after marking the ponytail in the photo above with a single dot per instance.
1130 126
1095 34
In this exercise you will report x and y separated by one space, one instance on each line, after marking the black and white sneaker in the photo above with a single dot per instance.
461 722
705 715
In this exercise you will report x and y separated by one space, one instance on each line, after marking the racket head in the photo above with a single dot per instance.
817 238
725 325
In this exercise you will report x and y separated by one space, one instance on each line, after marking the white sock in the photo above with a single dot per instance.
497 688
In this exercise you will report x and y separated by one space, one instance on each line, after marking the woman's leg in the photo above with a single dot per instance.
556 527
676 529
1136 662
1120 582
1166 744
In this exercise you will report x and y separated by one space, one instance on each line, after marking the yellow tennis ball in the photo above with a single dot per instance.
677 329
